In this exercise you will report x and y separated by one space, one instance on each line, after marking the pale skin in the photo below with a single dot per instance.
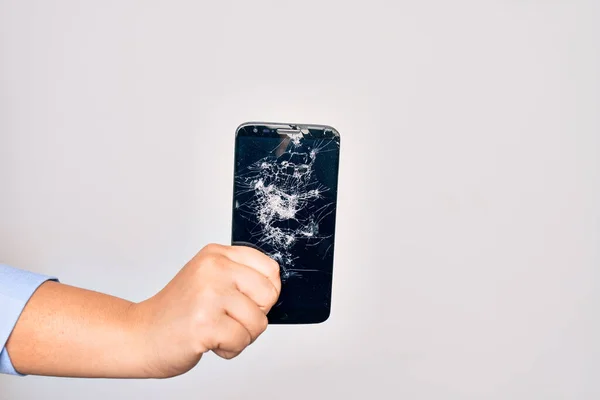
218 302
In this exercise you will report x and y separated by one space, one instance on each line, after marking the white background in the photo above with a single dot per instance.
467 262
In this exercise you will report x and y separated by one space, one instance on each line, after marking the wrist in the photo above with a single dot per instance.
142 351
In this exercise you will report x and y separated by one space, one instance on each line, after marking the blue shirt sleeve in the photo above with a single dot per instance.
16 288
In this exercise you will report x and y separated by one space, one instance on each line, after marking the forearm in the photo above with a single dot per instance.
67 331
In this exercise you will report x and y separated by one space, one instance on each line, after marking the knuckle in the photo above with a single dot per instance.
236 348
212 248
271 298
270 293
263 324
230 355
214 261
203 318
210 304
243 341
208 260
200 346
264 292
273 267
209 339
246 342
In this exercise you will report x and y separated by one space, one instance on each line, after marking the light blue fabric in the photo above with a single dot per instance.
16 287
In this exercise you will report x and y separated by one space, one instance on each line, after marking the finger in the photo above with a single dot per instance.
254 285
247 313
257 260
230 336
228 355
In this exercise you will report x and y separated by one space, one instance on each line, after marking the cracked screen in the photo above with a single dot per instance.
285 190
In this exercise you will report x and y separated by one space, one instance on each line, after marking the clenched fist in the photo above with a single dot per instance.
218 302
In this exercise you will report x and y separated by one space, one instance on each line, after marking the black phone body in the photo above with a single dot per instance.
284 204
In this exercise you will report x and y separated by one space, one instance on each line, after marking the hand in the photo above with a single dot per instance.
217 302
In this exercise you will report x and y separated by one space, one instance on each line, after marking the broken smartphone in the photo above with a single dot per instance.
284 204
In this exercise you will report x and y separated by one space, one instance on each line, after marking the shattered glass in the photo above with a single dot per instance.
285 191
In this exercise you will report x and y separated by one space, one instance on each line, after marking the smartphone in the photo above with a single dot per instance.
284 204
